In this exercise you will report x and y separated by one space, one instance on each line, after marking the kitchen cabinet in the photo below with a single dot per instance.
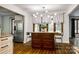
6 44
43 40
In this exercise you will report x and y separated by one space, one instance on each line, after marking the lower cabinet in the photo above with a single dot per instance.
6 45
43 40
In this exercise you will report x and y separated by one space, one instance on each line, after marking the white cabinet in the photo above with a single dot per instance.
6 45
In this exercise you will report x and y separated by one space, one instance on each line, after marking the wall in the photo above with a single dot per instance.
58 18
14 8
0 25
69 28
75 12
26 19
66 29
28 26
6 24
66 24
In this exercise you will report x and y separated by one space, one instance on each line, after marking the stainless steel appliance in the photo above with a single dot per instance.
18 31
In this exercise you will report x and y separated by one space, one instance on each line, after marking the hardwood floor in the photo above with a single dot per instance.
20 48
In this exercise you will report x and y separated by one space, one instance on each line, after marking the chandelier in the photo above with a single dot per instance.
42 17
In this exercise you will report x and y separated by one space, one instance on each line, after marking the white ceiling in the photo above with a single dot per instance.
4 12
38 7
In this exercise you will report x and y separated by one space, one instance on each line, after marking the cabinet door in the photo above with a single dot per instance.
46 43
36 42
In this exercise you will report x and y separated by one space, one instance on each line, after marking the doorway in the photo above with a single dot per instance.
74 31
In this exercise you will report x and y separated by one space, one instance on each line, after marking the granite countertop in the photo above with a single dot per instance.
57 33
5 35
45 32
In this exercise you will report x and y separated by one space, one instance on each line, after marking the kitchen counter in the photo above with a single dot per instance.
44 39
6 43
5 35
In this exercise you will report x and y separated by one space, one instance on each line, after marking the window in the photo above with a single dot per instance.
58 27
51 27
44 27
36 27
77 26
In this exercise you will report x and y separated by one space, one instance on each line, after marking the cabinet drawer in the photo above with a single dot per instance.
4 47
4 41
48 39
36 46
36 43
49 47
6 51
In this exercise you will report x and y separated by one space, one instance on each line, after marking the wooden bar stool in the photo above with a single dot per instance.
58 37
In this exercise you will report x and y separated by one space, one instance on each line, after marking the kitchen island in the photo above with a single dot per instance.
43 40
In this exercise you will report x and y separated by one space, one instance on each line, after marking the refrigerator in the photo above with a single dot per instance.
18 31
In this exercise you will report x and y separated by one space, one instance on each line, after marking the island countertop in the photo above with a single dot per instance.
49 32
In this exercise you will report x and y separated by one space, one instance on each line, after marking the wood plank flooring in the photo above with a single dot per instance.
20 48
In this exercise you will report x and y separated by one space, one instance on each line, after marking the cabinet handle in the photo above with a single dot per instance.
4 39
4 46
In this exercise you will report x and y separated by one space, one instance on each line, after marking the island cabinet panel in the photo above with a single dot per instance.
43 40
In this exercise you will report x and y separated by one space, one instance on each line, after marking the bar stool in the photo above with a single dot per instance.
58 37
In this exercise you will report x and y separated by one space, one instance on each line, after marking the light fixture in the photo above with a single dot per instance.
55 14
46 11
48 16
51 16
43 15
36 13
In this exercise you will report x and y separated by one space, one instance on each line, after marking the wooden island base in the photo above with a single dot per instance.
43 40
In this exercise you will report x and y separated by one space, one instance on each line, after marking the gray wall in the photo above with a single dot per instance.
0 25
74 13
6 24
69 28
